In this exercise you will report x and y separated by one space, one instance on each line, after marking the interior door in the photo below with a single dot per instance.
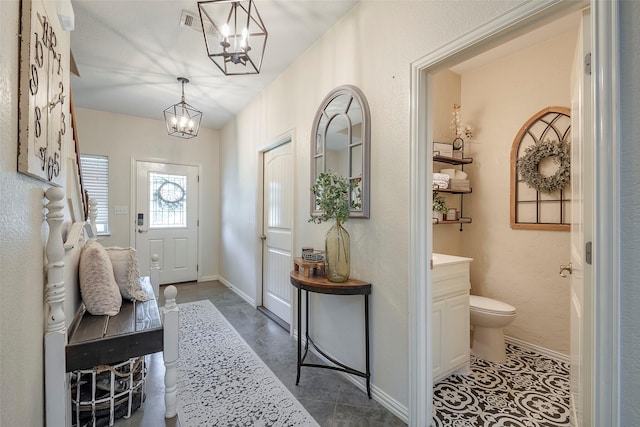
277 220
166 219
581 223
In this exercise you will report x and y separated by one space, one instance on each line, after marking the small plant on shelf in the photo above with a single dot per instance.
439 203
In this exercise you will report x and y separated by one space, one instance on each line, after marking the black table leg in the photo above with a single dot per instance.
366 343
306 327
299 334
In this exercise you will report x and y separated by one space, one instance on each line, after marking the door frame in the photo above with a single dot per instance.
604 314
283 138
133 200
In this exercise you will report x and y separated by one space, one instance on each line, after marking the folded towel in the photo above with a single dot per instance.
441 177
460 175
440 183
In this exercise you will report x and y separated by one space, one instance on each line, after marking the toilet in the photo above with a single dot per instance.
488 317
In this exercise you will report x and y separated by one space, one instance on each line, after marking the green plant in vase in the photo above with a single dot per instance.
439 206
331 192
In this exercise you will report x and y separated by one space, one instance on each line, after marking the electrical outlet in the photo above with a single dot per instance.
120 210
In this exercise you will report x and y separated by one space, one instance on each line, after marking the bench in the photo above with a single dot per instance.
90 341
105 340
96 342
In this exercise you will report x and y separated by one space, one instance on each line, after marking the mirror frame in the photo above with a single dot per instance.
357 95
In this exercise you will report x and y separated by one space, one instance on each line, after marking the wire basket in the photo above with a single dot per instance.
313 256
105 393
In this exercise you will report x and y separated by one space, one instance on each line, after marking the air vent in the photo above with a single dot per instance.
191 20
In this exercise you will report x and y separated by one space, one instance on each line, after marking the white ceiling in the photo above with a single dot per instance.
129 54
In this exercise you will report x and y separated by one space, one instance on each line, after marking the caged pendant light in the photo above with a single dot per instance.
234 35
182 119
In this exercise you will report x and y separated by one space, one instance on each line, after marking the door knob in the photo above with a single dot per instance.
140 230
263 237
564 268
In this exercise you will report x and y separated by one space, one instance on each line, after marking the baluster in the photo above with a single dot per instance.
93 214
154 274
55 338
54 291
171 353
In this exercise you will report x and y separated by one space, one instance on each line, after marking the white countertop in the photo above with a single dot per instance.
444 259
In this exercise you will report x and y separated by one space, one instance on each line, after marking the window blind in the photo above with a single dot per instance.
95 179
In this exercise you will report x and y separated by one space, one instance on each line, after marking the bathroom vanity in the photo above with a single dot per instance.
450 315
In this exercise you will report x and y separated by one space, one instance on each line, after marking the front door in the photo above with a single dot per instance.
166 219
581 236
277 223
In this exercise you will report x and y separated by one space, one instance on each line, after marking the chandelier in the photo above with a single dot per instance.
182 119
234 35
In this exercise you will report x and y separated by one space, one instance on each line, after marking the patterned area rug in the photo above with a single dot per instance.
221 380
529 390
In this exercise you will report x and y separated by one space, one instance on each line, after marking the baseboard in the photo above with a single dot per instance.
209 278
542 350
235 289
377 394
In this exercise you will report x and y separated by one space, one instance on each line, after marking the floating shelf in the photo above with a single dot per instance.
448 190
452 160
458 221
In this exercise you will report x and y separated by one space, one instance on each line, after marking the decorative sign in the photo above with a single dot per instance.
44 101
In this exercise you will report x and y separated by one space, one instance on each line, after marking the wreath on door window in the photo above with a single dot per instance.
170 195
528 166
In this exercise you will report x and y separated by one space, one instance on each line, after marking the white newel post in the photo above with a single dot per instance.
154 274
170 319
93 214
55 338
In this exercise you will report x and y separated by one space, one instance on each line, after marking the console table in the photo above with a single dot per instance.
320 285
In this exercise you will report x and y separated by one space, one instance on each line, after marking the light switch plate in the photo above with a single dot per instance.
120 210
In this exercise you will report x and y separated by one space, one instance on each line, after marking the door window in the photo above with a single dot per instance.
168 200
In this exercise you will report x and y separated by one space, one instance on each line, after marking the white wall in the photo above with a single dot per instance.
519 267
23 234
372 48
122 138
630 210
446 92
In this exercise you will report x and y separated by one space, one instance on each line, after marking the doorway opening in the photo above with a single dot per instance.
495 93
521 20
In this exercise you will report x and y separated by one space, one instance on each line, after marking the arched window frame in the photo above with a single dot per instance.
550 117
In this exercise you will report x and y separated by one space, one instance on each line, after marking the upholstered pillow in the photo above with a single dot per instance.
98 287
127 273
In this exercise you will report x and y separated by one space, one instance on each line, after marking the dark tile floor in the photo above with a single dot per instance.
330 398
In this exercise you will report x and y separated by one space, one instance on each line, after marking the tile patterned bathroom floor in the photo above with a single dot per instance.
529 390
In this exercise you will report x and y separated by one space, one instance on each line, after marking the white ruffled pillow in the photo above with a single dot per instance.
98 287
127 273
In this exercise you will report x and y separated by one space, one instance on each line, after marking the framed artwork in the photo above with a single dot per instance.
44 102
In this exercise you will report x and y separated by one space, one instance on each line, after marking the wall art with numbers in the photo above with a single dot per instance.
44 117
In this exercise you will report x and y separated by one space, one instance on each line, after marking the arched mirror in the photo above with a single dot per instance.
340 144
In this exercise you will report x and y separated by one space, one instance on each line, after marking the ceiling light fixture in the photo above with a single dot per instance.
234 35
182 119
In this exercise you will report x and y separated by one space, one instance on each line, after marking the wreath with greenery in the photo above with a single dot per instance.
528 166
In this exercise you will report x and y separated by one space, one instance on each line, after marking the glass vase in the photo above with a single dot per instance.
337 246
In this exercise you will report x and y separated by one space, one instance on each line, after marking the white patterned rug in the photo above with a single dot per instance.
223 382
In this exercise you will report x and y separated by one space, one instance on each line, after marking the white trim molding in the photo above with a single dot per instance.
237 290
551 354
606 293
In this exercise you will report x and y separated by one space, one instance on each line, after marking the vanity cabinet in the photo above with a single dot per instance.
450 315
